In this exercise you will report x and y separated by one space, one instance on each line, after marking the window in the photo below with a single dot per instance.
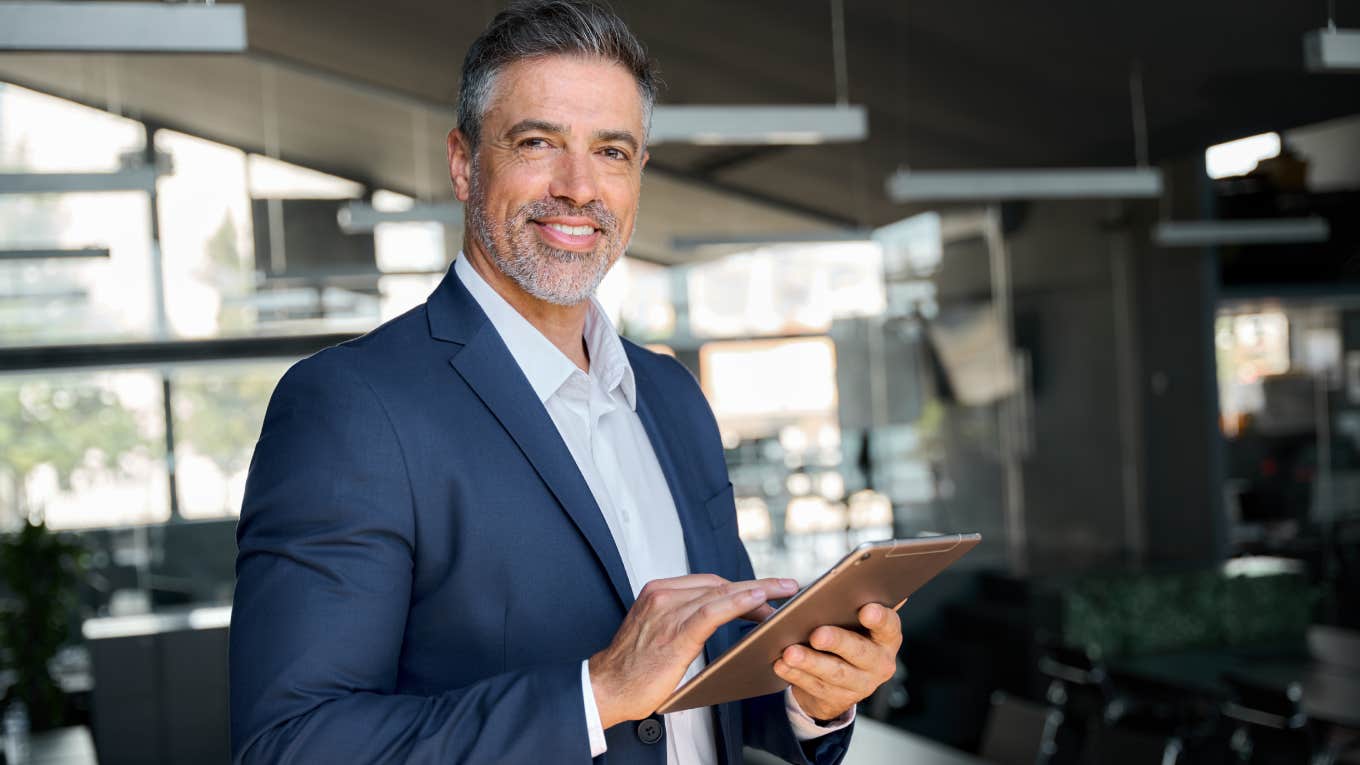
218 412
84 449
789 289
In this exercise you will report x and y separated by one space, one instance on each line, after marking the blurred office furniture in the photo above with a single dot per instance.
1346 553
1268 723
1335 646
1115 745
62 746
309 267
1336 652
1020 732
881 372
194 562
160 687
1078 686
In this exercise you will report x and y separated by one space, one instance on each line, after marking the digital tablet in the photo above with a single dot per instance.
886 572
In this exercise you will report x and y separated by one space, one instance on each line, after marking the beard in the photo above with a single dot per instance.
550 274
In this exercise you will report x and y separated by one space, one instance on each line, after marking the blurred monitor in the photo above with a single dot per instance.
311 244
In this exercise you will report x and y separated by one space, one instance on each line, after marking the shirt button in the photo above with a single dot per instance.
650 731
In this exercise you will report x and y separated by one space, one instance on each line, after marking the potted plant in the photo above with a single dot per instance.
40 572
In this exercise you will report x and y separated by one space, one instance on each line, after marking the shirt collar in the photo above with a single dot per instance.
543 363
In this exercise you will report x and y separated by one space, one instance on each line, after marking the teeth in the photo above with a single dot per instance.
571 230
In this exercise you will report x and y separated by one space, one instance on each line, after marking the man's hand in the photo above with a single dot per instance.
845 667
663 632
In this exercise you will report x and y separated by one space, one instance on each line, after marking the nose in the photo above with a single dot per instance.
574 179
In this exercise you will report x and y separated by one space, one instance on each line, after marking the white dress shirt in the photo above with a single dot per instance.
596 415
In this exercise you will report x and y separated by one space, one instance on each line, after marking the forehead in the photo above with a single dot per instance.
581 92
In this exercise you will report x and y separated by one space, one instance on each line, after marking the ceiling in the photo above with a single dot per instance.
364 90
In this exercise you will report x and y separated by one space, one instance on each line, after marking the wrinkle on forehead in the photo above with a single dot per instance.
538 86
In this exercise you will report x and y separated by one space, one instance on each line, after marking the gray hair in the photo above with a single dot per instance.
535 28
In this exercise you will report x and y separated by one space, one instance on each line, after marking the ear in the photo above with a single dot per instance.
646 155
460 164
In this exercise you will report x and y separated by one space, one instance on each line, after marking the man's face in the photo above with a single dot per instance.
551 192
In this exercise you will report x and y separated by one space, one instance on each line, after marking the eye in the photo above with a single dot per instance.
534 143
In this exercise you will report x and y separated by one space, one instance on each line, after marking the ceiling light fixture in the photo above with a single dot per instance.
1001 185
773 125
127 179
1332 50
1239 157
1209 233
755 125
1139 181
51 253
122 27
362 217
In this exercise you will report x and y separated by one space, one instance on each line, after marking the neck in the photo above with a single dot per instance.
563 325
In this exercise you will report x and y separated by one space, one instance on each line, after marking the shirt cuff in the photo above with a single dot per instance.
593 725
804 727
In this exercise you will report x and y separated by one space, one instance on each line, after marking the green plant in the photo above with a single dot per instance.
41 571
1141 614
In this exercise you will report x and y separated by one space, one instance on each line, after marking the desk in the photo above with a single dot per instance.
876 743
1331 693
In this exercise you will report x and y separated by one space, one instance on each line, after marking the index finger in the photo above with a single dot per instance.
718 610
883 623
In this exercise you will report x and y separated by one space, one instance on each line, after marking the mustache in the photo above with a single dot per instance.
546 208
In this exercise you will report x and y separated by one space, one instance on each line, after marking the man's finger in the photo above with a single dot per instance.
760 614
706 615
831 669
688 581
812 685
775 586
854 648
884 625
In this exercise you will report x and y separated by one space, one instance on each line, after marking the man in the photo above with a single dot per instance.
491 530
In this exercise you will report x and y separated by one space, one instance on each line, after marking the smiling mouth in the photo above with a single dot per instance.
569 230
571 237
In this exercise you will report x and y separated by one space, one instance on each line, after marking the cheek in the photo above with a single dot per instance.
623 202
514 186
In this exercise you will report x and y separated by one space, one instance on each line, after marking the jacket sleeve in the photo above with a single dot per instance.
324 574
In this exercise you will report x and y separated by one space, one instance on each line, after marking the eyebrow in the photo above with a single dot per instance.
532 125
622 136
535 125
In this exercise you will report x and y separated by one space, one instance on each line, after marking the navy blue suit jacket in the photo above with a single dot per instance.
422 567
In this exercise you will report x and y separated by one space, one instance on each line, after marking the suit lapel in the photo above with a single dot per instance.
488 368
658 421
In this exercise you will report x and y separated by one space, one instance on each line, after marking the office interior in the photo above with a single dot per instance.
1082 278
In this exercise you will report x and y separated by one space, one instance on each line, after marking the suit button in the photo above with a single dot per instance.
650 731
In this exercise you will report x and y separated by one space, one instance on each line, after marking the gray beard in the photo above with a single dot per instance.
554 276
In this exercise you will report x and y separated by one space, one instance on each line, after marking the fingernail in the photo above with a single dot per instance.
794 655
874 615
789 584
